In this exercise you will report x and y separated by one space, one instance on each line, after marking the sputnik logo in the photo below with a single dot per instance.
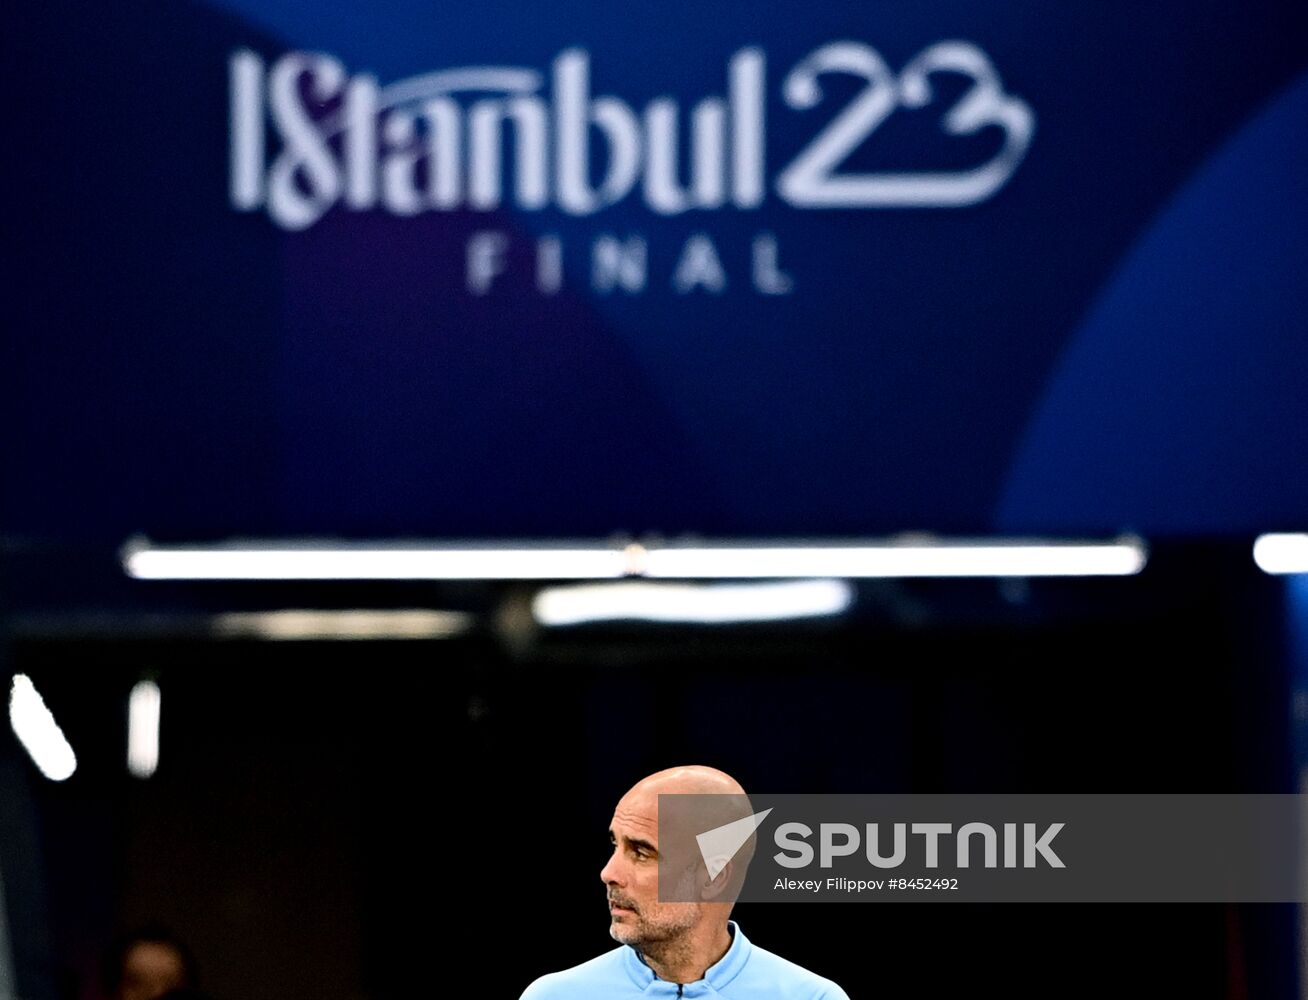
718 846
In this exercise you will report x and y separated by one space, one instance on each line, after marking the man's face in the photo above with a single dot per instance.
637 917
151 969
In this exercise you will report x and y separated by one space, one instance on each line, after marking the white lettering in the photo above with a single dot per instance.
811 180
699 267
702 159
360 142
768 277
988 841
747 127
246 128
790 837
444 152
932 832
549 265
487 120
575 114
400 192
900 850
614 264
485 260
829 849
304 180
1031 845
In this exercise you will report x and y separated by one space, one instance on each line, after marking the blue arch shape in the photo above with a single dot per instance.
1181 405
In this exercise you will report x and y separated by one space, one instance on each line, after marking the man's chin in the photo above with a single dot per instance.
622 932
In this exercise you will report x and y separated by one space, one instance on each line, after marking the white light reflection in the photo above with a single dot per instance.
1124 557
143 709
902 558
303 624
1280 554
692 604
373 563
37 730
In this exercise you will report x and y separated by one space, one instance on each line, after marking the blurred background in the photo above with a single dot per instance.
421 421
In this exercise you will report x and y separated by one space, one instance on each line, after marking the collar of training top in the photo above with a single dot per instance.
715 978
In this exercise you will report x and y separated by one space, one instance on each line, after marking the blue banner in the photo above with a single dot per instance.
506 270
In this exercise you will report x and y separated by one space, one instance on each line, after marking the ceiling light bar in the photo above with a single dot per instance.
357 562
303 625
1124 557
1280 554
599 561
703 604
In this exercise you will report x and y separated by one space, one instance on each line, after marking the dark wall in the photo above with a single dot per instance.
347 819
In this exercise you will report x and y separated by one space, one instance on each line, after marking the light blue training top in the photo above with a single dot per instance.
745 972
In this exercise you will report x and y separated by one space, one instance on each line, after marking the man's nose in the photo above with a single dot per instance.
612 871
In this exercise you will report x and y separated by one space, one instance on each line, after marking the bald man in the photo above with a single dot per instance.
675 949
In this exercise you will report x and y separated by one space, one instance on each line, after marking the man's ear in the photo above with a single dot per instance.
713 887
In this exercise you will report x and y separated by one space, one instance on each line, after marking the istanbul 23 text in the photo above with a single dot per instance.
437 142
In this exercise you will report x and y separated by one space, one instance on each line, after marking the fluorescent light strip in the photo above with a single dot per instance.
350 563
143 707
1036 559
690 603
1280 554
359 625
37 730
1123 557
